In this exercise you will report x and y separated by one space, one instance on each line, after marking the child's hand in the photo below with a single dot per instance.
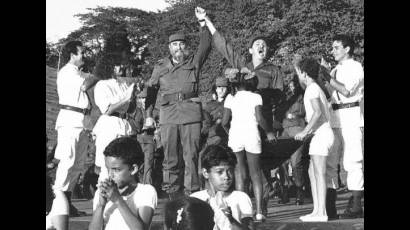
110 189
271 137
300 136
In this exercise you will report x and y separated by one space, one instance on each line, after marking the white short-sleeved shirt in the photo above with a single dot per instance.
242 107
313 91
143 195
60 207
69 82
106 93
238 201
350 73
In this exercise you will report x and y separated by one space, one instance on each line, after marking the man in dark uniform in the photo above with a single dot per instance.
270 77
177 78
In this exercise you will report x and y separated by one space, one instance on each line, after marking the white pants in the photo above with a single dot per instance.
71 150
348 146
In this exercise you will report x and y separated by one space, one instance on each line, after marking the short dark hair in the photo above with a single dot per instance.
310 66
247 84
215 155
70 48
195 214
346 41
126 148
257 37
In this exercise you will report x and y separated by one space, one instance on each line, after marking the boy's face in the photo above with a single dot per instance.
220 177
122 174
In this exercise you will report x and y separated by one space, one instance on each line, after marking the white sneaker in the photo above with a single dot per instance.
260 217
315 219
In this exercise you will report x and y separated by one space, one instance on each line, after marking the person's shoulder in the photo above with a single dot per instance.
202 195
239 195
146 189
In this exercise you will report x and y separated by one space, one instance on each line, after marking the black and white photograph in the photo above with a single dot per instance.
205 114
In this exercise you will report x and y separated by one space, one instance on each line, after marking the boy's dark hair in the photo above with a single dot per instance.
127 149
188 213
70 48
346 41
310 66
215 155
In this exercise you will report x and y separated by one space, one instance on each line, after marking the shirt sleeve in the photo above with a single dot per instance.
245 205
60 205
258 99
312 92
102 100
357 76
96 198
148 197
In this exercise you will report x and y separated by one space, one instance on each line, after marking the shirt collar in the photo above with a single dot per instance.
345 61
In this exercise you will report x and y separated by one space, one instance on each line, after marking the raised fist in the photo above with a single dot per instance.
200 13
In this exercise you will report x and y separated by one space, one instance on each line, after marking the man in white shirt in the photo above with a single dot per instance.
346 118
73 103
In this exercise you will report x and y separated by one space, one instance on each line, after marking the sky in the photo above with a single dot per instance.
60 20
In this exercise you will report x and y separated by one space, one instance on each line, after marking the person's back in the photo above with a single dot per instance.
242 106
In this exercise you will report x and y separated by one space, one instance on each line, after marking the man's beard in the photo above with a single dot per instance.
179 56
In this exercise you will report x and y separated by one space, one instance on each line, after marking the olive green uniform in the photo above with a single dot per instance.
180 115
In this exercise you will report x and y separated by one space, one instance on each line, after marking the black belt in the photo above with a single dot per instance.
75 109
346 105
119 115
178 96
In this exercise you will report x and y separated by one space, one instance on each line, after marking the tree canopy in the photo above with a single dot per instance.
292 26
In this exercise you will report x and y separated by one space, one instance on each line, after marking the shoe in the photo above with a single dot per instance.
315 219
299 196
299 201
349 214
260 218
284 196
303 217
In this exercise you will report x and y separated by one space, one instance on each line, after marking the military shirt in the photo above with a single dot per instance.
182 78
270 77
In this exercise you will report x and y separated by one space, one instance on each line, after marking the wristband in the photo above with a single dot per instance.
202 20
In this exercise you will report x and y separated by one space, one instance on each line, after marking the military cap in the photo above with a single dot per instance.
177 37
221 82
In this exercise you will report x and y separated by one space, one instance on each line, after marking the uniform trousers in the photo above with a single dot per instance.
71 150
347 146
180 141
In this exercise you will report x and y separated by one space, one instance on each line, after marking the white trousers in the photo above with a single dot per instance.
348 145
71 150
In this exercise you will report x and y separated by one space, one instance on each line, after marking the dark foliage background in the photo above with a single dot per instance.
293 26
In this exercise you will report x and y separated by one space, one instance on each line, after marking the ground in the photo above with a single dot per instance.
280 216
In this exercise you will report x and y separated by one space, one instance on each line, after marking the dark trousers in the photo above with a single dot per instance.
274 155
148 147
180 141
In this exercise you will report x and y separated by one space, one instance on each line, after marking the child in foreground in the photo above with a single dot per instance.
121 203
188 213
233 209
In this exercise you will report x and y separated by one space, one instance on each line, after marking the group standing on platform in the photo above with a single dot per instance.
212 151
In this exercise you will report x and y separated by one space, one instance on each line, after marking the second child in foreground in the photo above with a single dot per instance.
121 203
233 209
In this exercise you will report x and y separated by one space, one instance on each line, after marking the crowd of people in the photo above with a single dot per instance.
213 151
